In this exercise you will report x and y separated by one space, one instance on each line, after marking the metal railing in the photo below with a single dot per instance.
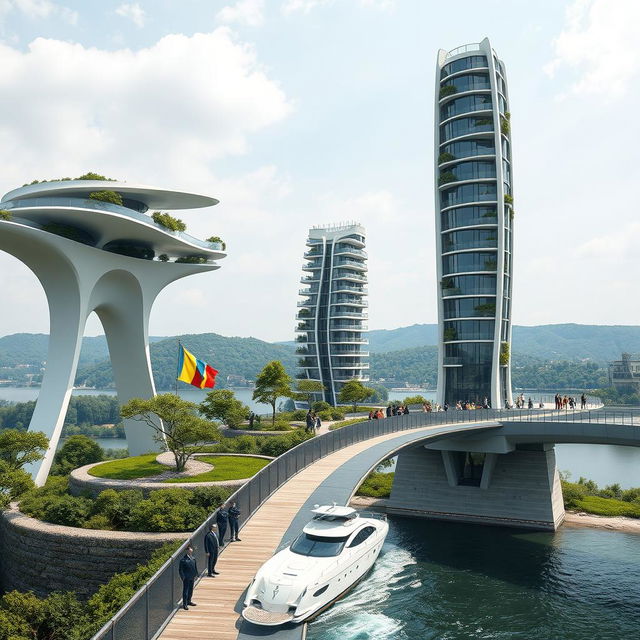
629 417
150 609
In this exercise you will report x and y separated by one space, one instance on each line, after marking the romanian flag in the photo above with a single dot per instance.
194 371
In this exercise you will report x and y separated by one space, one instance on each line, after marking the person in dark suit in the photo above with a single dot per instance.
234 514
188 570
211 547
223 520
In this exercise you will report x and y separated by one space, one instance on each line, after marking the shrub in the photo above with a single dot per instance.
508 199
446 177
321 405
166 510
325 415
99 521
345 423
505 125
76 452
409 400
5 215
376 485
445 157
168 221
67 510
219 240
447 90
210 498
337 413
117 506
505 353
106 196
572 494
163 257
192 260
298 414
608 507
94 176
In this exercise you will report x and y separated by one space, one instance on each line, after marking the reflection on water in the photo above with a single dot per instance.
460 582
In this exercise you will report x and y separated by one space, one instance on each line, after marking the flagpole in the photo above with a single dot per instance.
179 347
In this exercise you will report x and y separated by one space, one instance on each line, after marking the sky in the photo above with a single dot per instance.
295 113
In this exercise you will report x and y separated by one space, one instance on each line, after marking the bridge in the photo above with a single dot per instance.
275 503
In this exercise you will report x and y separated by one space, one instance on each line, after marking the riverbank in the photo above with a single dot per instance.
572 518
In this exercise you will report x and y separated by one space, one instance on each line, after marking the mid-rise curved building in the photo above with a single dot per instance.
93 247
331 328
474 220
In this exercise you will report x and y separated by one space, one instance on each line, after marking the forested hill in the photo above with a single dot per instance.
600 343
243 357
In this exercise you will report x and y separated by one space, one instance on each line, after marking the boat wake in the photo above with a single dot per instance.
360 615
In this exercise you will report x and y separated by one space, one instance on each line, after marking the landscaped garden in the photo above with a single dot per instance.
128 468
226 468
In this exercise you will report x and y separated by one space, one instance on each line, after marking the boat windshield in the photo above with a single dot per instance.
318 546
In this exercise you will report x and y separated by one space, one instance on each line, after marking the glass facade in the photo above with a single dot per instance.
475 227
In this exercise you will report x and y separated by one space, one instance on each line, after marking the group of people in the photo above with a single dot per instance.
312 422
227 517
569 402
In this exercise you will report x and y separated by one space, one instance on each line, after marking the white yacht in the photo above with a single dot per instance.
334 551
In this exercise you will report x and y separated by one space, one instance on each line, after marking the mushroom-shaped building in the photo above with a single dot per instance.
93 247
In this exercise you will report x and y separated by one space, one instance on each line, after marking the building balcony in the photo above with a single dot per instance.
312 266
304 327
308 279
312 255
347 340
308 292
349 277
362 366
349 250
348 326
342 377
348 314
449 361
357 302
358 265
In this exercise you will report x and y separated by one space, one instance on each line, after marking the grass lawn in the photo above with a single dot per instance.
128 468
345 423
226 468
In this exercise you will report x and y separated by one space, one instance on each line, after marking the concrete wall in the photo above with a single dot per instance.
45 557
524 490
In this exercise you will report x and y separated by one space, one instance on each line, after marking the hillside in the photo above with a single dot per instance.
242 357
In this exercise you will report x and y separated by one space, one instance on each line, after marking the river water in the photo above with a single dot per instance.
605 464
462 582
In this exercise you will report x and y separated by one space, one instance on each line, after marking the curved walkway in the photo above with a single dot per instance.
279 518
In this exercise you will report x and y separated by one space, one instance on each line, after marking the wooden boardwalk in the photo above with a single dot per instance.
216 616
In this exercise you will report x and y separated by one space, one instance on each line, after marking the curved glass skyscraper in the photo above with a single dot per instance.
474 219
332 333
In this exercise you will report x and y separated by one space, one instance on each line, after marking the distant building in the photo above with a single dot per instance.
474 220
331 330
625 374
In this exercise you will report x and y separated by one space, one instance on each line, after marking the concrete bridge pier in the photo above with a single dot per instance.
485 481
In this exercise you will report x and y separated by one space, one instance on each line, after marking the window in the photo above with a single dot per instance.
361 536
320 591
469 239
470 308
472 261
465 126
469 82
465 104
317 546
468 193
469 148
470 62
469 330
468 285
468 216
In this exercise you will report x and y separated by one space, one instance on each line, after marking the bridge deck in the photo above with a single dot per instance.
218 599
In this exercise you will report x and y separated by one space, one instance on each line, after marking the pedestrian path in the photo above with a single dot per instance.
219 599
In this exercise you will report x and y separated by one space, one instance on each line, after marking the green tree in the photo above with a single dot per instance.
306 389
13 483
18 448
106 196
179 427
168 221
272 383
353 391
221 404
76 452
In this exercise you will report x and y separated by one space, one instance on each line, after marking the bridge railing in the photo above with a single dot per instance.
600 416
150 609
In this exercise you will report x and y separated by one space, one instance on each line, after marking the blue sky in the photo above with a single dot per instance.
299 112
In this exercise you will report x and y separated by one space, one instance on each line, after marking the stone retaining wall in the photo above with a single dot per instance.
80 481
44 557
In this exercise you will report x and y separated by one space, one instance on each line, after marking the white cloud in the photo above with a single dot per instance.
133 11
306 6
162 112
599 40
614 247
247 12
39 9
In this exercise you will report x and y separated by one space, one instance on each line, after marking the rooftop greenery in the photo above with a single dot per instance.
90 175
168 221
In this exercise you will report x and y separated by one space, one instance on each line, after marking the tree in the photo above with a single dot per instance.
18 448
306 389
354 391
222 404
272 383
168 221
77 451
179 428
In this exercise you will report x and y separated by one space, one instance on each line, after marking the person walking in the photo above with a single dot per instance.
222 520
310 421
318 424
251 419
388 411
188 570
530 404
234 514
211 547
